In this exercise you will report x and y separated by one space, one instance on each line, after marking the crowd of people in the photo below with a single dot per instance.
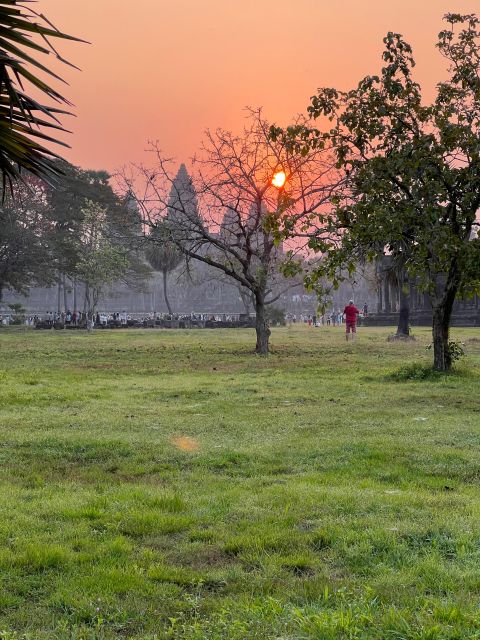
63 317
334 318
80 319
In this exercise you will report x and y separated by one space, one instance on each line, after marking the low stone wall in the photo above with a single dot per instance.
422 319
182 323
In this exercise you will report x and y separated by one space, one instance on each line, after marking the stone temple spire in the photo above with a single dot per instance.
182 202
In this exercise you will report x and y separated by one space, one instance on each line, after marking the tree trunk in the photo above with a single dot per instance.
165 294
386 294
89 311
403 328
261 327
442 360
440 331
442 313
65 293
59 296
74 296
379 298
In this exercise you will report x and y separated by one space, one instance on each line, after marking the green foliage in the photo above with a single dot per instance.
275 315
19 313
45 233
120 221
162 253
100 263
17 308
415 371
102 266
25 257
456 350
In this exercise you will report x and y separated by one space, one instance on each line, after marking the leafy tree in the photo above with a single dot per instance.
100 263
24 250
67 205
163 255
25 123
44 232
412 186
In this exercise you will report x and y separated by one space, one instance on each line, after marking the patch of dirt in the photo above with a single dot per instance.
209 556
398 337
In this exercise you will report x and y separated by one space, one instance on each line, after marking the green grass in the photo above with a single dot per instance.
330 491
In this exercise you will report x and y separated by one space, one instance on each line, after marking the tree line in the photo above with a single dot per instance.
78 231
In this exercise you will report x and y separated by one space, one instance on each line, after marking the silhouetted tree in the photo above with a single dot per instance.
163 255
413 171
232 181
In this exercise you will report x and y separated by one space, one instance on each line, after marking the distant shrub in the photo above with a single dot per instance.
18 314
17 308
275 316
455 348
415 371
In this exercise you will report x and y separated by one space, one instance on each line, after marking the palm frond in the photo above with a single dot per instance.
25 39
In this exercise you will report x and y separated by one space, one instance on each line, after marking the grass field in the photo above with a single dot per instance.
169 484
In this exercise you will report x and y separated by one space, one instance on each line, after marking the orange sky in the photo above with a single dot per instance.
168 69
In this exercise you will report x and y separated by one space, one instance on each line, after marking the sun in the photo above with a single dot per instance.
279 179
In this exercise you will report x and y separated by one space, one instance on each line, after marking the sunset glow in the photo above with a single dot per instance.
180 86
279 179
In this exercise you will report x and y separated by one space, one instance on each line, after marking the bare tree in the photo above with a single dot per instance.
227 213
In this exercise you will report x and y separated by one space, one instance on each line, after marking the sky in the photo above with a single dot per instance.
167 70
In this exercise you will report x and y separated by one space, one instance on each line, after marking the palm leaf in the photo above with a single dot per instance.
25 40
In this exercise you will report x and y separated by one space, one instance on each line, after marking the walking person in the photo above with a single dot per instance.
350 312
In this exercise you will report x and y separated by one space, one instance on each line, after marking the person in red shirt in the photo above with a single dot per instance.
350 312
